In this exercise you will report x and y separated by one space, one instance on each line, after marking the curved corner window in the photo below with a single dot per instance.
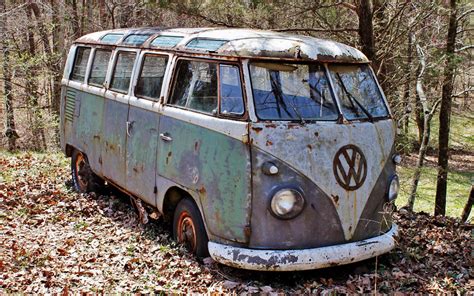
295 92
196 86
166 41
99 67
80 64
123 71
111 38
151 76
136 39
205 44
358 92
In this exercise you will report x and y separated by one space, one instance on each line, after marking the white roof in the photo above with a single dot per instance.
245 43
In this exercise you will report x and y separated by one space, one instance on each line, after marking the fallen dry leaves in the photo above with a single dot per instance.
53 240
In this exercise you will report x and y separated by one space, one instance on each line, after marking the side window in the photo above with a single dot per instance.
196 86
99 67
151 76
232 102
123 71
80 64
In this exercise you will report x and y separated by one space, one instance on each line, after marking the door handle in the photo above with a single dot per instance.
129 127
166 137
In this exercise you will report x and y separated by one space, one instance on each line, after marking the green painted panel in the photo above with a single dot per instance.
141 153
214 165
87 128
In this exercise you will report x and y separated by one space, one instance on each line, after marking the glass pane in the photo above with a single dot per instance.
99 67
166 41
358 92
292 92
205 44
232 101
151 76
136 39
196 86
80 64
111 38
123 71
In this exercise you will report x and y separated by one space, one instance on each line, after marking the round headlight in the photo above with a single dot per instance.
393 188
287 203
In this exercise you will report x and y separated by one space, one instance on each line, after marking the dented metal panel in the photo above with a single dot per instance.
114 137
311 149
86 130
142 144
215 166
290 260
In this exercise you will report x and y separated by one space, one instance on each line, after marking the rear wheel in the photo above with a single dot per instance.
83 178
188 228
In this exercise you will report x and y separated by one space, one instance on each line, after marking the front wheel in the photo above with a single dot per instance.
188 228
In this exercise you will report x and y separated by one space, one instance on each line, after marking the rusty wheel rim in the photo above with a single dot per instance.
187 232
80 163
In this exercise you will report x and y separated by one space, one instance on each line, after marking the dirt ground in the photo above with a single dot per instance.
53 240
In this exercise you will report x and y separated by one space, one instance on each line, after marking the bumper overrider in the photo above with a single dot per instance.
289 260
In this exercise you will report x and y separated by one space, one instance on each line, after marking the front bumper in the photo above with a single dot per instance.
288 260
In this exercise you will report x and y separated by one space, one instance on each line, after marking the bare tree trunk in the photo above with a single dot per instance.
102 14
75 20
56 62
428 115
468 207
10 131
366 29
445 115
406 92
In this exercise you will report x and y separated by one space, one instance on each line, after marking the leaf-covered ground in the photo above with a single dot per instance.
53 240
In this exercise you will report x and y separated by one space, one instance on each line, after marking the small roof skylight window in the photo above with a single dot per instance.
166 41
205 44
111 38
136 39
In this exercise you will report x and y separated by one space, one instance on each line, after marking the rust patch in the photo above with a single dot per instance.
257 129
271 125
335 199
293 125
202 190
247 231
269 143
168 157
309 147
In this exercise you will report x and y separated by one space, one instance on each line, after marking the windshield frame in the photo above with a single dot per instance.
296 120
332 90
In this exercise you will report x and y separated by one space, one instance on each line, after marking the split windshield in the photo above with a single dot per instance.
302 92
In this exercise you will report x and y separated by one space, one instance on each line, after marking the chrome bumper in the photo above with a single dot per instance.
288 260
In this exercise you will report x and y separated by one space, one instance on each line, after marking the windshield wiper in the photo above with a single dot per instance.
371 119
276 90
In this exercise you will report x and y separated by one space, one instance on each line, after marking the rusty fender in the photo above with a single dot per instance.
305 259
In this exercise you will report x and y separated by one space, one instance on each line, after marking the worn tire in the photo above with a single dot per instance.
188 228
83 178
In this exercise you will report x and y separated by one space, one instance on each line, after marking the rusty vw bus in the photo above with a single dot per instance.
266 151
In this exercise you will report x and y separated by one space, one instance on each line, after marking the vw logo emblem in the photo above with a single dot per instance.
350 167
